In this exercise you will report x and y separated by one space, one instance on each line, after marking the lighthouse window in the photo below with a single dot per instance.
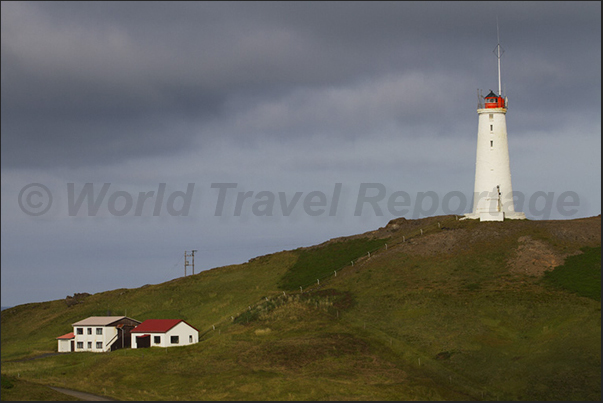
491 127
491 116
491 143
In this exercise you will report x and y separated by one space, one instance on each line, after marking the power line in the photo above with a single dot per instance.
177 263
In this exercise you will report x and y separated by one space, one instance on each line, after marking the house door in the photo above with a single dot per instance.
72 345
143 341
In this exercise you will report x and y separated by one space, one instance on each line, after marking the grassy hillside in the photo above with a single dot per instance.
440 309
203 300
14 389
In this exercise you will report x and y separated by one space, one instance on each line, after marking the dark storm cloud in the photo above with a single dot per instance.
98 83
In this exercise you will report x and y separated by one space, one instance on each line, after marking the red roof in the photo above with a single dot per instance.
67 336
157 325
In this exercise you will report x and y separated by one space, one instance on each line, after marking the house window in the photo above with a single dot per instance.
174 340
80 345
89 330
89 345
99 345
157 339
99 330
79 330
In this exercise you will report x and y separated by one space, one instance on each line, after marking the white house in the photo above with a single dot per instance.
98 334
164 333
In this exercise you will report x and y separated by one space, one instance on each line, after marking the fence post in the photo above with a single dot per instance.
335 273
369 254
403 238
385 246
301 289
318 281
421 231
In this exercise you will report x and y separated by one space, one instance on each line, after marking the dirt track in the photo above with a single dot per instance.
81 395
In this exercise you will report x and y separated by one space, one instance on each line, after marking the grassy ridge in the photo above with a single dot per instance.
580 274
494 334
439 315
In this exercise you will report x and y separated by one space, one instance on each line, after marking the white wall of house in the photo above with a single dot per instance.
180 335
97 339
64 345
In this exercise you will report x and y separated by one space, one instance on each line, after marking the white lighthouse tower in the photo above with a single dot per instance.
493 193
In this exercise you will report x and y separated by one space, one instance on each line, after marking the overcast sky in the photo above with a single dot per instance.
308 99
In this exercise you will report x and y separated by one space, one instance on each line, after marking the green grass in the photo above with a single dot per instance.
448 321
15 389
316 359
580 274
317 263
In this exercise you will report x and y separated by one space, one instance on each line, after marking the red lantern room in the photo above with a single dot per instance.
494 101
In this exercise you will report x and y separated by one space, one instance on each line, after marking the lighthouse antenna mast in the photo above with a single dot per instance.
498 51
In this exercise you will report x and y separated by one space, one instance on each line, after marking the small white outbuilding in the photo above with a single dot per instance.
164 333
66 343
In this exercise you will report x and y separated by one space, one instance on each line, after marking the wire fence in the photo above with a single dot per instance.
281 297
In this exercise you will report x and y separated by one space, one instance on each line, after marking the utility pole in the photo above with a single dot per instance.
193 255
187 263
